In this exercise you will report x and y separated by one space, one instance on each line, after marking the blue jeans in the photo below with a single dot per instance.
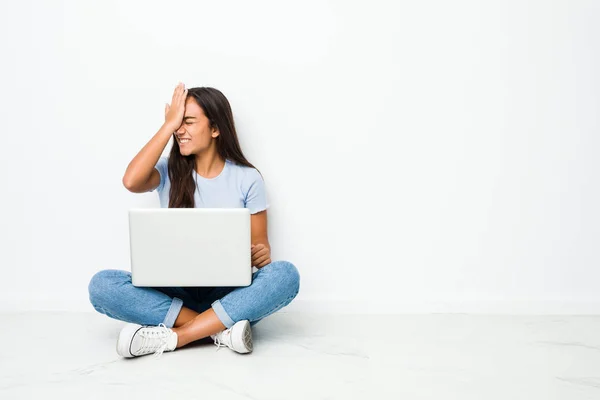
273 287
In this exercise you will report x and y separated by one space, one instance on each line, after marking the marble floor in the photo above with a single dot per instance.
299 356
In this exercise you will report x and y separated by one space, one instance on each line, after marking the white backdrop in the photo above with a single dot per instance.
425 156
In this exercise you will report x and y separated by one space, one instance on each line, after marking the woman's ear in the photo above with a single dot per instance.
215 130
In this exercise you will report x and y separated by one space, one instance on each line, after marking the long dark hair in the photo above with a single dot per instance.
217 109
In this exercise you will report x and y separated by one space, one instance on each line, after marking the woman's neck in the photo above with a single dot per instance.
209 164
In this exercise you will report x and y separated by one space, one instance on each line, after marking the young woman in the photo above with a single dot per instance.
205 168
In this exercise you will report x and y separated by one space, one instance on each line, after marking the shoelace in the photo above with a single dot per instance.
151 335
218 341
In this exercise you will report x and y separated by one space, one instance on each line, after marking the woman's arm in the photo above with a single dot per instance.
141 176
261 249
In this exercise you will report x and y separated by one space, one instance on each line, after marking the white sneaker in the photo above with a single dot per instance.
137 340
238 338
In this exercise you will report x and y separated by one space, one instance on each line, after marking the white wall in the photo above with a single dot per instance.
419 156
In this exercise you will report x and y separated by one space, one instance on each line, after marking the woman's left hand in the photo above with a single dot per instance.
261 255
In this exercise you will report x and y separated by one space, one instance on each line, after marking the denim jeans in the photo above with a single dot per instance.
273 287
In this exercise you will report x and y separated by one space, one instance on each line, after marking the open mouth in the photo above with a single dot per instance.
184 141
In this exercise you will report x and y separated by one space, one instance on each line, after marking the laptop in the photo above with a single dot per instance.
190 247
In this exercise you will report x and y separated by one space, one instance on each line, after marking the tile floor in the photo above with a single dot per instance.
299 356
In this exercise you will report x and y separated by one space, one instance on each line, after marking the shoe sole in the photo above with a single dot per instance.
243 343
124 340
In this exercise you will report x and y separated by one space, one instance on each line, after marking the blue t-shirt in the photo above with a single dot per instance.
237 186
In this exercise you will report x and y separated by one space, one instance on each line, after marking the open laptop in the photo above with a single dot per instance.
190 246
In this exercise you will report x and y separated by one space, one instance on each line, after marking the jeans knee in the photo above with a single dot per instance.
289 276
102 284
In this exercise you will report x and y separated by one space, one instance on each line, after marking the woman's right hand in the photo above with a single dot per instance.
174 112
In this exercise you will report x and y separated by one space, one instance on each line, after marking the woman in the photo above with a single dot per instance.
205 168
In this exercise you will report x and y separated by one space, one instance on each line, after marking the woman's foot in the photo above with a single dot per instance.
238 338
137 340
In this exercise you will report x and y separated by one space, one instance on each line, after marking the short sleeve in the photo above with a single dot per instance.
162 167
256 196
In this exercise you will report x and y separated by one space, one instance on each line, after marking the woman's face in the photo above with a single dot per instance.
195 133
